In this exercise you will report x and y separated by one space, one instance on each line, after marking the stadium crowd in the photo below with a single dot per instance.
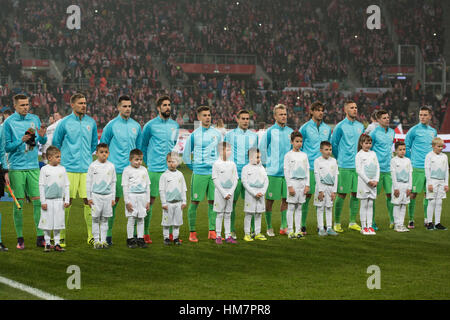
118 55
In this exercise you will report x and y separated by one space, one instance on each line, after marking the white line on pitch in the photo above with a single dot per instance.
35 292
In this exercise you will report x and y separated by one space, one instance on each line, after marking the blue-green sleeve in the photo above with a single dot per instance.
107 134
58 135
94 140
335 139
188 150
10 145
145 140
409 139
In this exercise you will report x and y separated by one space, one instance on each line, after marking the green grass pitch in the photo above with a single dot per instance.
413 265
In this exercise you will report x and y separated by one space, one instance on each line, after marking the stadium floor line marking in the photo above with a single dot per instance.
33 291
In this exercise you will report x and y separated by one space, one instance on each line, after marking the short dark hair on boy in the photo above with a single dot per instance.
325 144
253 150
136 153
51 151
296 134
399 143
102 146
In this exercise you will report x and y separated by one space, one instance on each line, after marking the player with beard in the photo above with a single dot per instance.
159 137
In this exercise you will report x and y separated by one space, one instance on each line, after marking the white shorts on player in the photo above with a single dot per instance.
53 218
173 216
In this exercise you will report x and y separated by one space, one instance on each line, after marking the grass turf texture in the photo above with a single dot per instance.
413 265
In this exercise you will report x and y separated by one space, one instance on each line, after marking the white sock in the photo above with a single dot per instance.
437 212
130 227
258 223
166 232
219 219
56 236
47 236
247 222
227 224
140 228
176 232
369 213
329 216
402 214
103 228
96 228
362 213
298 218
290 217
430 210
319 211
396 212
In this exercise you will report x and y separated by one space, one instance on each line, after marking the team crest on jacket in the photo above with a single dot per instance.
88 127
32 125
133 130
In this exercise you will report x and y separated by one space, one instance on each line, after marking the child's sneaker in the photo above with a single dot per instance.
260 237
219 240
233 235
430 226
364 231
439 226
398 228
252 234
230 240
270 232
354 226
104 245
62 243
391 225
109 241
58 248
299 235
147 238
212 235
337 227
47 248
167 242
371 231
292 235
98 245
248 238
374 226
131 243
2 247
331 232
177 242
284 231
322 232
404 229
90 241
141 243
303 230
411 225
